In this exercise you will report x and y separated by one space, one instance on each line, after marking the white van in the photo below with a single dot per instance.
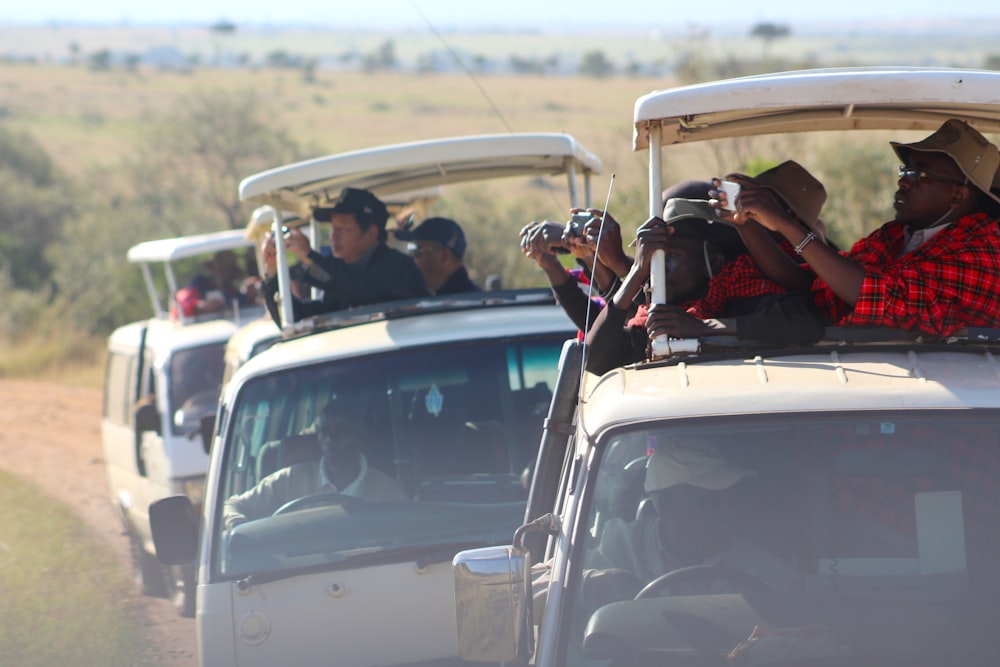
861 475
453 392
162 380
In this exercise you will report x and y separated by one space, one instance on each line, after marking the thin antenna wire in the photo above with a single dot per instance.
593 275
462 65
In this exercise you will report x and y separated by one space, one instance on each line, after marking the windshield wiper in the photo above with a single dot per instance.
422 555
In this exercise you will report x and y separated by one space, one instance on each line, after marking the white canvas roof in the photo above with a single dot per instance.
386 170
167 250
886 98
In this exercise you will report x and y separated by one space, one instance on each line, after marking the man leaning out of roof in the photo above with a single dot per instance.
437 245
740 289
934 268
362 269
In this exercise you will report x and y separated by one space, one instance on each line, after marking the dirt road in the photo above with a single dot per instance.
51 438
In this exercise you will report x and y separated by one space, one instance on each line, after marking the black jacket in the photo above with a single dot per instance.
459 282
388 275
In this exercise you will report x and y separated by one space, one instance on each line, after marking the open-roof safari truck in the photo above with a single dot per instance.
450 392
869 462
162 379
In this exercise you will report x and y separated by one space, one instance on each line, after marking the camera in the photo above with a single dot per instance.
578 221
732 191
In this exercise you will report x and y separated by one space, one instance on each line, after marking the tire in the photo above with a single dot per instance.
180 582
148 573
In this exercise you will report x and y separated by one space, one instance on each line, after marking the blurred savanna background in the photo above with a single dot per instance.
114 135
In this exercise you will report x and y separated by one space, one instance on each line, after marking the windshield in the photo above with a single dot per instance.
383 458
853 538
195 378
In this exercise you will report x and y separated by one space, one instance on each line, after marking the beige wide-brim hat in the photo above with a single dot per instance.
800 191
688 460
975 156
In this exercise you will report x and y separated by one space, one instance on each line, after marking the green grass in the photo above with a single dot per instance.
60 602
54 356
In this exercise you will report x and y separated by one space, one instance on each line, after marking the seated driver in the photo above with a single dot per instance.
342 469
699 503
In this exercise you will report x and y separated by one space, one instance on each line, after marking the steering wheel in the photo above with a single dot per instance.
316 500
694 572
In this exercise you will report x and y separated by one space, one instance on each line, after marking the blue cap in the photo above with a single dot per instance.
441 230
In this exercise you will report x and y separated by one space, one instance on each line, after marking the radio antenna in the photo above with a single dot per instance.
461 64
593 275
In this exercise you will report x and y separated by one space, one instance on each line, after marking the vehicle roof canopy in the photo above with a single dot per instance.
167 250
879 98
387 170
392 171
853 98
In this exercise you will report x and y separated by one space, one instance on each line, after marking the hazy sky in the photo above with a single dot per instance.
445 14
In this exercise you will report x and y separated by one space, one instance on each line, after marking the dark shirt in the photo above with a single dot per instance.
459 282
385 275
783 319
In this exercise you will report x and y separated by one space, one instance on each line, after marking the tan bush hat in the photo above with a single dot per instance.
975 156
687 460
800 191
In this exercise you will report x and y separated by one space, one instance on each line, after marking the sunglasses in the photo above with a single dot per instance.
413 250
914 176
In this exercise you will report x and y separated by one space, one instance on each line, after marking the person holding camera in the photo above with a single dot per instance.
934 268
599 263
437 246
362 268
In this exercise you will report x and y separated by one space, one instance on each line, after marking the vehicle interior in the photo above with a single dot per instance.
455 426
885 519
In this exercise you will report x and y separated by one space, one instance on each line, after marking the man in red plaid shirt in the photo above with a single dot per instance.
933 269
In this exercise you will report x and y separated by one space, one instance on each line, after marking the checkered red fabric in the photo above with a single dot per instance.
948 283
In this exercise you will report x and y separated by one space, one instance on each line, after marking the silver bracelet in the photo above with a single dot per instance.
809 238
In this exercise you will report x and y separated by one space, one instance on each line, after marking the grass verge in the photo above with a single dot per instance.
60 603
64 357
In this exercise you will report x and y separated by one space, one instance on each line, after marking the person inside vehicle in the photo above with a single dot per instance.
437 246
215 288
597 248
543 242
342 469
714 287
697 250
740 288
700 508
362 268
934 268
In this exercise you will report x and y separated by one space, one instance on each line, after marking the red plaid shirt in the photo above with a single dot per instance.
738 279
948 283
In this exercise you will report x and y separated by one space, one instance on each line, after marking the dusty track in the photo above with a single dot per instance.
51 438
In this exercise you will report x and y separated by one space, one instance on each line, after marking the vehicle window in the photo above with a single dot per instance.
117 383
878 533
195 378
448 430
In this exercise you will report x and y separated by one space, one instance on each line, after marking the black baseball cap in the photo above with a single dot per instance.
441 230
362 204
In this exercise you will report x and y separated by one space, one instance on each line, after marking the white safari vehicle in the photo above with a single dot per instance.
162 379
453 391
863 529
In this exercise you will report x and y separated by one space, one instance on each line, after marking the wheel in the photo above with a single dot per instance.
148 572
179 580
315 501
709 572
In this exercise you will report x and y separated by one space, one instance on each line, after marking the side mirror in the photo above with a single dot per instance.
489 600
175 530
189 418
207 432
147 418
